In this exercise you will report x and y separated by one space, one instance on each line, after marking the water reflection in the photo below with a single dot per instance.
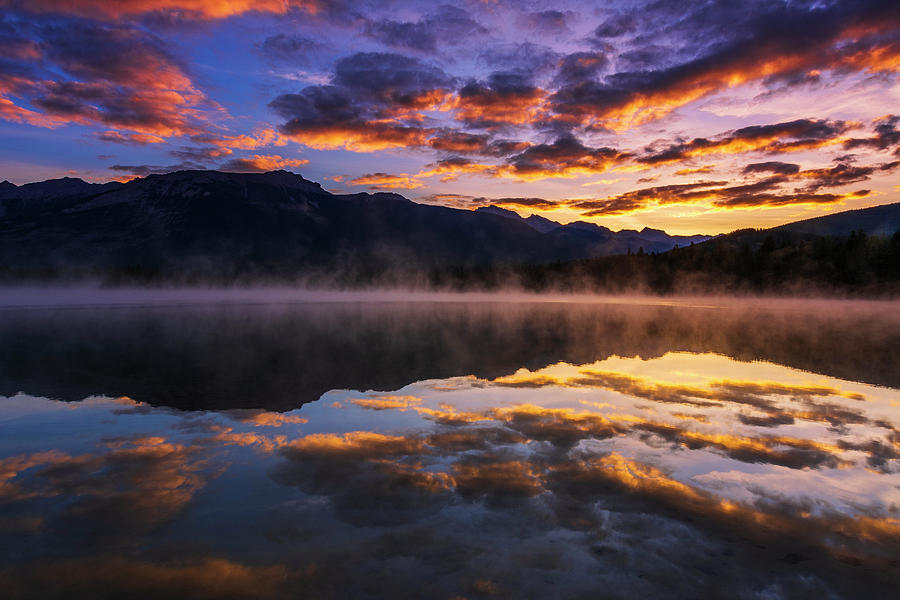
685 475
211 358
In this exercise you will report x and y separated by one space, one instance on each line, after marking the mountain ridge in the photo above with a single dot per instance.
224 225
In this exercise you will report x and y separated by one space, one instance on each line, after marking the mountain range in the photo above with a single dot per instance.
228 227
210 224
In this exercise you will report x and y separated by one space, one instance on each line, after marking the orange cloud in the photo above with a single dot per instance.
387 181
449 415
858 45
207 9
129 138
259 139
489 109
10 111
260 163
228 437
202 577
696 171
387 402
359 444
269 419
358 137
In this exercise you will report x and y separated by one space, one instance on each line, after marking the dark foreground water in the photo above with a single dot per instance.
451 450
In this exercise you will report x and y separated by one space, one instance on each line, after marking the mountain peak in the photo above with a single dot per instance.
499 211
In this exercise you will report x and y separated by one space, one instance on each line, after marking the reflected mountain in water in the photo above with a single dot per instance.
279 357
684 475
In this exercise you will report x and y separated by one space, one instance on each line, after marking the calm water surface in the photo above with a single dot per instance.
451 450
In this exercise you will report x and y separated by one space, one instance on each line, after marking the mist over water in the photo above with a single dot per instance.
276 443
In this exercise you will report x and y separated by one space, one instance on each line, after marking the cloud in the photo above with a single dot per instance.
260 138
506 99
206 9
453 167
260 163
290 48
118 576
886 135
113 75
144 170
387 402
264 418
548 22
138 139
580 66
778 168
459 142
382 181
526 58
448 25
615 26
696 171
200 155
373 104
117 54
132 489
390 78
791 136
769 191
763 45
565 157
496 479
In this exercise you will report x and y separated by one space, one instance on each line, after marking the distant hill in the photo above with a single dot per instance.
609 242
877 220
200 225
852 253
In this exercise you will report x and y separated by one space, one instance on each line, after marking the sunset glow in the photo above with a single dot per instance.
696 118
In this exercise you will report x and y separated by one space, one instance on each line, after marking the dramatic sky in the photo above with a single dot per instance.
692 116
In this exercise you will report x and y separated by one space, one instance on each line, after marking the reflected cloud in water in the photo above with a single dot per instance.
621 476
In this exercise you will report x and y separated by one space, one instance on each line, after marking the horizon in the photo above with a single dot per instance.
694 119
524 214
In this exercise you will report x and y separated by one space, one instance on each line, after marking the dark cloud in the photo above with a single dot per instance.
507 98
391 78
87 72
579 66
136 139
772 190
548 22
116 576
459 142
615 26
527 58
645 57
447 25
886 135
144 170
122 55
200 154
779 168
330 116
533 203
385 88
564 156
836 176
789 136
292 48
766 193
137 486
774 42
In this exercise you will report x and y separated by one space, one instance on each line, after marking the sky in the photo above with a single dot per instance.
688 116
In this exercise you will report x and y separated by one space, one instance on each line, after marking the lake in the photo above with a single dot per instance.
341 446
